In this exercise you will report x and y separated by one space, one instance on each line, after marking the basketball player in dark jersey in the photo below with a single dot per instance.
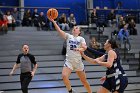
115 80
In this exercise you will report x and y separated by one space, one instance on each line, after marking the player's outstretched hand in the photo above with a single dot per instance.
49 17
11 73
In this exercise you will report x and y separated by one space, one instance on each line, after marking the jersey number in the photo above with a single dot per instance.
72 47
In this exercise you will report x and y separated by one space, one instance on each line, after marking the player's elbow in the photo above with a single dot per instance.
109 65
84 47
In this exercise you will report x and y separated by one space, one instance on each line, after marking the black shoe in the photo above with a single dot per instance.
73 91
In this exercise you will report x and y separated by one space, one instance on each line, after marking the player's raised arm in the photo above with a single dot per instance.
61 32
51 14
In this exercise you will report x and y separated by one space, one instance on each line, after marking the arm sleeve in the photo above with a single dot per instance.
18 59
83 40
67 35
33 60
120 33
95 52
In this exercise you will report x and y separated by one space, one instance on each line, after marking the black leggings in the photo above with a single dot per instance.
25 79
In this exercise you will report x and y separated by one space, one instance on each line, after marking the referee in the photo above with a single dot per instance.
28 66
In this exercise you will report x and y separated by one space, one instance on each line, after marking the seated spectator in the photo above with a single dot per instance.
71 20
111 18
121 23
27 18
94 43
132 27
35 16
63 23
94 17
42 21
17 17
123 36
3 24
11 20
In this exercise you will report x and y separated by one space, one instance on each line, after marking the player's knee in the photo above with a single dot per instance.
64 76
84 81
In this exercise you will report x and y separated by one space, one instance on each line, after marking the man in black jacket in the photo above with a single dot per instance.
42 21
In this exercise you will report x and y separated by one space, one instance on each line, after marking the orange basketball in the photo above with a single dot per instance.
53 13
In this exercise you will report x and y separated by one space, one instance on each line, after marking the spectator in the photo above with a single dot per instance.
111 18
11 20
63 23
71 20
119 5
17 16
121 22
123 36
94 17
94 43
132 27
35 16
3 24
42 22
27 19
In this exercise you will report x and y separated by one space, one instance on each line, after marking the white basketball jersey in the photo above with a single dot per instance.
73 42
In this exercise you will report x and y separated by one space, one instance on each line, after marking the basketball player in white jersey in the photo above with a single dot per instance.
73 59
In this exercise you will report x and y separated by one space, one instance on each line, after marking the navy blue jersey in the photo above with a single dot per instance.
116 79
116 67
